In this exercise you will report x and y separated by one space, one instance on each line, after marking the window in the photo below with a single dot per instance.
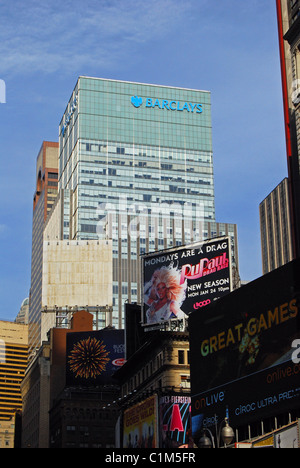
185 381
159 360
180 356
71 428
84 430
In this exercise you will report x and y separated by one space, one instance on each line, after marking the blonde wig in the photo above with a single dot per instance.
170 276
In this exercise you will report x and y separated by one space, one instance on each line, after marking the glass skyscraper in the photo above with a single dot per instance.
137 161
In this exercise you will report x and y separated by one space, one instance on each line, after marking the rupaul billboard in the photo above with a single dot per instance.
93 357
184 279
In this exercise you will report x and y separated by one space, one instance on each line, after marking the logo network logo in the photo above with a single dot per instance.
197 305
136 101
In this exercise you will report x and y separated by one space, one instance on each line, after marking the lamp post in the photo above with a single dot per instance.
206 442
225 432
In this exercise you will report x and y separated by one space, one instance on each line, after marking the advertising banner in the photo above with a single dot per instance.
245 361
179 281
175 422
93 357
285 437
140 425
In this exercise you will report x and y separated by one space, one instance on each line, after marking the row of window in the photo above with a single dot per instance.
183 358
147 152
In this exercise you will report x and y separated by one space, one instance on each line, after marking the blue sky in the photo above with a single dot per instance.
229 47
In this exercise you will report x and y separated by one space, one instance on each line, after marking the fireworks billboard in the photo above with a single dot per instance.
93 357
181 280
140 425
244 362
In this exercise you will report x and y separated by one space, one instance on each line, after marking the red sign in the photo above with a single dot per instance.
119 362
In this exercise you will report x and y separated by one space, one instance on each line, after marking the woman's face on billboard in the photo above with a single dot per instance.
161 290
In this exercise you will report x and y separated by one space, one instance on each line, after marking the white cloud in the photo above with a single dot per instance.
51 36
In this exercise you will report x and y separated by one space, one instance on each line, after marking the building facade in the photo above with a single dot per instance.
137 163
84 418
77 275
275 228
13 363
44 198
22 316
57 415
288 12
155 393
35 390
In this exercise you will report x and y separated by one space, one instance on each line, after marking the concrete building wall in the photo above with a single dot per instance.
77 273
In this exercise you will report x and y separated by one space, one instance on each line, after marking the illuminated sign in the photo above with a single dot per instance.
140 425
162 104
245 351
93 357
175 421
186 278
296 353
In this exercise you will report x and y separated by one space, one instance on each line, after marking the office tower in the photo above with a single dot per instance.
22 316
13 363
136 160
44 198
288 12
275 228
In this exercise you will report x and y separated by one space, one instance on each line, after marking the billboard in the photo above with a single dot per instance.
244 353
285 437
140 425
175 422
184 279
93 357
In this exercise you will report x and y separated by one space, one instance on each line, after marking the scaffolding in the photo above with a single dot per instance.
102 315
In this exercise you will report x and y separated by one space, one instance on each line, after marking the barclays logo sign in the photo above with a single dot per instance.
137 102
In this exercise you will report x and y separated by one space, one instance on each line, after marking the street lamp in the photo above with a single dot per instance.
206 442
226 433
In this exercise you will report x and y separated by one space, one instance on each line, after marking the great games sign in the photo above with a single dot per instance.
245 362
179 281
